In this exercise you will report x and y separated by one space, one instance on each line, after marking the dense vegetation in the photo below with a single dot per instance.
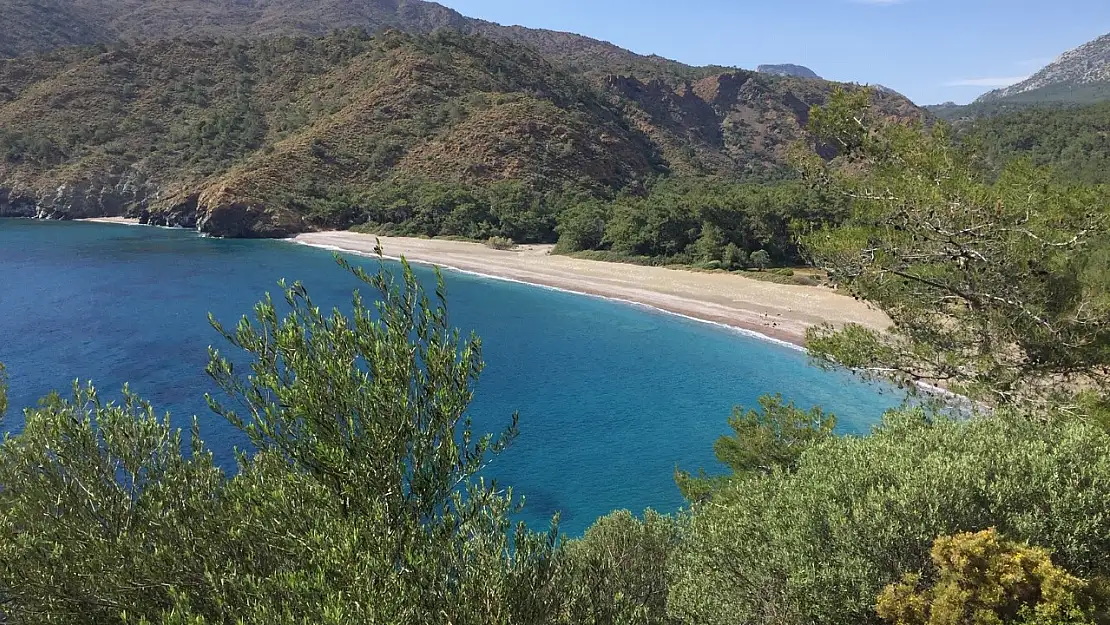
266 137
1072 140
715 224
1049 98
361 501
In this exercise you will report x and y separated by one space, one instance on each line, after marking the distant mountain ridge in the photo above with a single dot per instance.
1079 75
788 69
33 26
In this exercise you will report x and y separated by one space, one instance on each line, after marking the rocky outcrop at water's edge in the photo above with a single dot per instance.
214 211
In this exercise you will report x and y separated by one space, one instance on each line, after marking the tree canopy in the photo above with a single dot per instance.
996 289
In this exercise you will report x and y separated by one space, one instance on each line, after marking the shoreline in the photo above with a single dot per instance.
779 313
430 252
763 336
769 311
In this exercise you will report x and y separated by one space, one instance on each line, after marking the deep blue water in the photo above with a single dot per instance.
612 397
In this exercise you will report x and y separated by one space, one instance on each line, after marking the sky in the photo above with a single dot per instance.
932 51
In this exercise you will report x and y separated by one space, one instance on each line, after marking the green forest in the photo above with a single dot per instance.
714 224
361 499
1072 140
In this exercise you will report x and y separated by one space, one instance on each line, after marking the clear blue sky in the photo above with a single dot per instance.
930 50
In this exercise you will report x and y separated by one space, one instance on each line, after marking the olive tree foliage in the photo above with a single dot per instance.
982 578
3 392
373 402
617 574
997 289
763 441
819 544
99 509
359 504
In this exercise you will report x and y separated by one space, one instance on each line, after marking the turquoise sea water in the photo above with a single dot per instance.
612 397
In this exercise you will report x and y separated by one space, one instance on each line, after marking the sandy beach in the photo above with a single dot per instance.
779 311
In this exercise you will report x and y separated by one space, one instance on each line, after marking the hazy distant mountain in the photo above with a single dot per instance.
788 69
1081 75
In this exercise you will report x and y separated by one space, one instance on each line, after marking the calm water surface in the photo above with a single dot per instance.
612 397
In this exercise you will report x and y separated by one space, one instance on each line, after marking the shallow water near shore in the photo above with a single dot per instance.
612 397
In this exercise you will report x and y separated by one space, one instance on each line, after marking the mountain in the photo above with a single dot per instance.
260 137
787 69
1078 76
238 116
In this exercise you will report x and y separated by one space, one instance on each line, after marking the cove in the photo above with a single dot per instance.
612 397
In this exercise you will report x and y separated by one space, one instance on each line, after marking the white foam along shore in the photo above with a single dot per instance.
123 221
767 310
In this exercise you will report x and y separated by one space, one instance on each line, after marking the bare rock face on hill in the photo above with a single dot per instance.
1077 75
788 69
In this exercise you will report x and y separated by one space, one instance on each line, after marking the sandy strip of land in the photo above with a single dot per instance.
113 220
779 311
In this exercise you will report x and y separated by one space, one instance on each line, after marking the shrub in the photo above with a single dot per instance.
818 545
107 515
760 259
500 243
617 572
983 579
734 257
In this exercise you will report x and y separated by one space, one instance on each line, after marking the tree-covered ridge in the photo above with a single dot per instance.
266 137
1071 140
45 25
244 127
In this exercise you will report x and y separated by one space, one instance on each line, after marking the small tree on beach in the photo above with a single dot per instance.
761 259
734 257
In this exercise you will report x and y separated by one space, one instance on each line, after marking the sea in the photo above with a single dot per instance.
612 397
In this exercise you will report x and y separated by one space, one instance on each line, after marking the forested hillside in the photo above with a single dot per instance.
273 136
43 25
1073 141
